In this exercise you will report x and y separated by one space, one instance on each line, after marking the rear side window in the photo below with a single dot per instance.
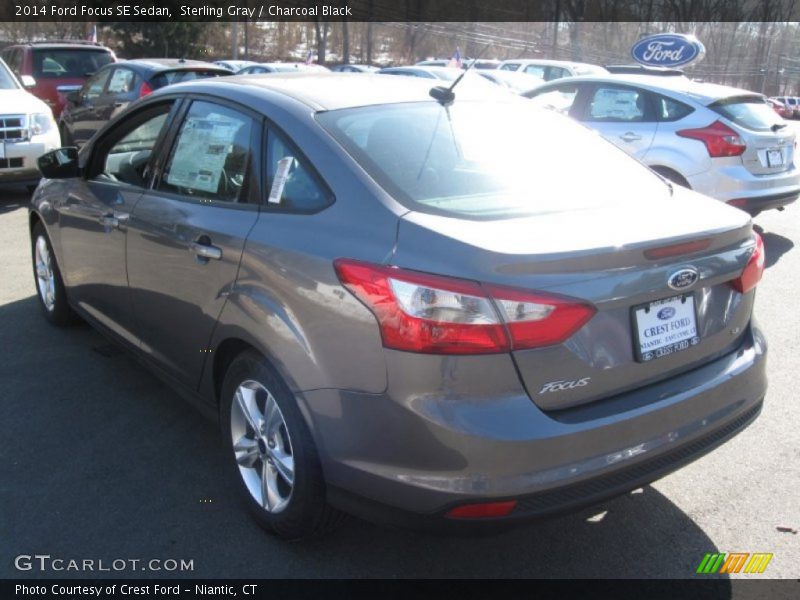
668 109
68 63
510 67
121 81
291 183
170 77
748 112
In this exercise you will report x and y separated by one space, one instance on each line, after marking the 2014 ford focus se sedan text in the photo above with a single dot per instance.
405 305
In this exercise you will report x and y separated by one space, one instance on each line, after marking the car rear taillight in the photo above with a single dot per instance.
753 270
145 90
418 312
720 140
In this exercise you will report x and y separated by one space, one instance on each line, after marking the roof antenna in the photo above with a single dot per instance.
445 96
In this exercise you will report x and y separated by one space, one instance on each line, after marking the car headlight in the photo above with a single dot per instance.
41 123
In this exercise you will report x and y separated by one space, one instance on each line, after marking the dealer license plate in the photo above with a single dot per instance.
664 327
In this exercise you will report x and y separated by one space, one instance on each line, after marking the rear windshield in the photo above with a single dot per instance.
481 159
170 77
751 113
74 63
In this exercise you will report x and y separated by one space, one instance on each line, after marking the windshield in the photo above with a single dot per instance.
68 62
7 80
482 159
750 112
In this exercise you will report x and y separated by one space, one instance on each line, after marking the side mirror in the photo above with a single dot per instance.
74 98
59 164
27 81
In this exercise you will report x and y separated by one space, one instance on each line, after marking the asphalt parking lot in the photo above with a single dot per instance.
99 460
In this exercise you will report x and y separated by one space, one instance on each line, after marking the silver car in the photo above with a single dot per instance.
724 142
396 309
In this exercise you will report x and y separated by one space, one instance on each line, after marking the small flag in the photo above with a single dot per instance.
308 58
456 60
93 34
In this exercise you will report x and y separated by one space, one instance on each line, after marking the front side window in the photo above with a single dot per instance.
510 66
616 104
127 158
211 156
94 87
559 99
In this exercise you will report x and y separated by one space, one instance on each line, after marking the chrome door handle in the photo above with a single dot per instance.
205 251
113 220
629 136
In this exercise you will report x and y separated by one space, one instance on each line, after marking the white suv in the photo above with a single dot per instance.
27 130
724 142
547 70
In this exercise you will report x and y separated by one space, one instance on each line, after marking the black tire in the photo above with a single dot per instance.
307 512
66 137
59 313
673 176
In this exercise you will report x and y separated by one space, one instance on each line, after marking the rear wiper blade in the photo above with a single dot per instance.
778 126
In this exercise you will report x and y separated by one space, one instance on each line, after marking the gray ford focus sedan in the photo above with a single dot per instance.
451 309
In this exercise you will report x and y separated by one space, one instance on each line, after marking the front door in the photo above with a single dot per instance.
186 235
94 215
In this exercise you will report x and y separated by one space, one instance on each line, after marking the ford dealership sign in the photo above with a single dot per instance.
667 50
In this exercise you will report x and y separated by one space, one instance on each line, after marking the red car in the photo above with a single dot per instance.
44 67
780 108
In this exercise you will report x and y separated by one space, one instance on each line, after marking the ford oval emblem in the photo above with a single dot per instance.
666 313
667 50
683 279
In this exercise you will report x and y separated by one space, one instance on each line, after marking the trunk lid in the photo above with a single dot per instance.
603 256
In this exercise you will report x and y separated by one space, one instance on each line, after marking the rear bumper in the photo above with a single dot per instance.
410 459
728 182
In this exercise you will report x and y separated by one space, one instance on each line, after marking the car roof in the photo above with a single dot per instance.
548 63
702 92
163 64
334 90
64 45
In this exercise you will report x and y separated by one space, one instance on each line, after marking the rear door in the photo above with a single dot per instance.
623 115
187 233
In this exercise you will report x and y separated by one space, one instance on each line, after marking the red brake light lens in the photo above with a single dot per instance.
418 312
482 511
145 90
720 140
753 270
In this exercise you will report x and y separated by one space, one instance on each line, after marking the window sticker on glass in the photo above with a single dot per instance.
281 174
202 150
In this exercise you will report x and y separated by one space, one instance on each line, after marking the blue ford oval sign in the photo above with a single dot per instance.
667 50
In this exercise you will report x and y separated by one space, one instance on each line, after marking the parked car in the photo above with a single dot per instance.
721 141
27 130
282 67
44 67
792 103
234 66
515 82
780 108
110 90
351 68
547 70
443 73
480 64
395 308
